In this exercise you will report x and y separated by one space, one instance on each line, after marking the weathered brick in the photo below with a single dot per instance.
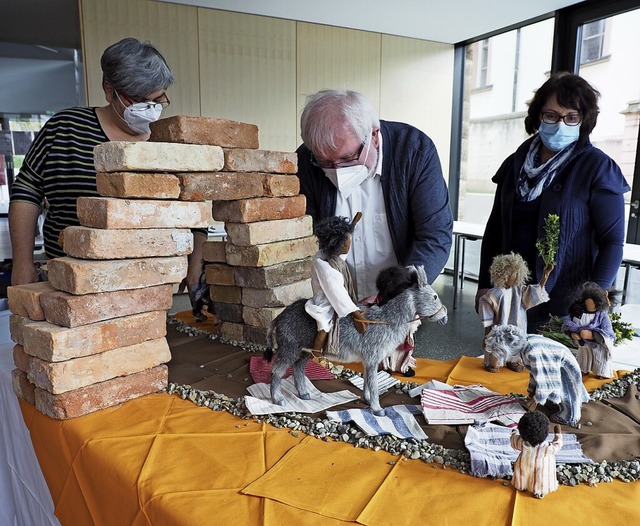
20 358
225 293
275 185
261 232
219 274
99 243
24 300
139 185
60 377
271 253
260 317
278 296
273 275
205 130
257 335
220 186
123 156
269 161
214 251
109 212
232 331
228 311
22 387
67 310
259 209
82 276
16 327
91 398
54 343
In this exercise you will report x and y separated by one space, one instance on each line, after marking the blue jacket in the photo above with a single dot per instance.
587 195
416 196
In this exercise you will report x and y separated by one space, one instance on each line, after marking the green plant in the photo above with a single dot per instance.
548 245
553 329
623 330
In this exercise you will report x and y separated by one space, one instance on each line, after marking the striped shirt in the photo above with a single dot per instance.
59 168
535 467
509 306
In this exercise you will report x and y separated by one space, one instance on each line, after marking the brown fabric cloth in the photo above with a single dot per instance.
205 364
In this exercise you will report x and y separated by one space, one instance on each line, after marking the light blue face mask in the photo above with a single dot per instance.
558 136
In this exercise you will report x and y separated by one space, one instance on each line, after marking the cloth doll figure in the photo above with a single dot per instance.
535 468
509 299
554 374
333 290
590 326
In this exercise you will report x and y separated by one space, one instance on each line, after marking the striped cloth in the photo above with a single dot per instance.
260 370
492 455
385 381
259 403
399 421
469 404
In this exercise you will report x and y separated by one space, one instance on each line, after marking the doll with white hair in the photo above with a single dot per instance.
509 299
555 379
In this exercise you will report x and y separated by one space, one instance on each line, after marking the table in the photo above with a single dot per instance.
630 259
462 231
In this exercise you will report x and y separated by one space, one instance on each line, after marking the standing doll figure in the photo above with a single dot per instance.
591 327
535 468
509 299
554 379
333 290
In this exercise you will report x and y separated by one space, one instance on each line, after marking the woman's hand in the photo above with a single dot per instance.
24 274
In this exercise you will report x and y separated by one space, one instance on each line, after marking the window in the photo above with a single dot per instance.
483 64
592 46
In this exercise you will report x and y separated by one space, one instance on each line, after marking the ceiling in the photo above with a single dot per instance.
448 21
56 23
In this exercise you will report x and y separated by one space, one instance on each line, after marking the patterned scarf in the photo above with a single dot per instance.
535 177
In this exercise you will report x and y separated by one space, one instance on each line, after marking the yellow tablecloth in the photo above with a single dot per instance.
160 460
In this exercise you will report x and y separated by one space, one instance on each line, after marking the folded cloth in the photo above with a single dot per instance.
385 381
492 454
260 401
469 404
431 384
260 370
398 420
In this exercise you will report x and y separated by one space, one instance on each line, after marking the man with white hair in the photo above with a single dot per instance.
351 161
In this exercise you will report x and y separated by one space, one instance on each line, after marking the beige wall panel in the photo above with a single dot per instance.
333 57
172 28
247 73
417 88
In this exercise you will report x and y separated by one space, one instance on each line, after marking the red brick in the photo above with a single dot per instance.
214 251
219 274
225 293
220 186
280 185
267 161
24 300
259 209
205 130
271 253
231 312
273 275
139 185
22 387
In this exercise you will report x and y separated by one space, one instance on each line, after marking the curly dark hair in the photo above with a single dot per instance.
585 291
534 427
571 91
332 233
392 281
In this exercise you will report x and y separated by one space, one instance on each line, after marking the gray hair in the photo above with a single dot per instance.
135 68
505 341
328 112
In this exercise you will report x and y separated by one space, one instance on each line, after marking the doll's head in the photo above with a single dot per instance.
334 235
504 341
589 297
534 427
392 281
508 270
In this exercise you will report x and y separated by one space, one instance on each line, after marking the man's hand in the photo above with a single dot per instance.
359 321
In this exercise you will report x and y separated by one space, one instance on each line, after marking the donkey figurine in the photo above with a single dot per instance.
294 331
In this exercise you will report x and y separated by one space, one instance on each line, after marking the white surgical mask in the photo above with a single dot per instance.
140 115
347 179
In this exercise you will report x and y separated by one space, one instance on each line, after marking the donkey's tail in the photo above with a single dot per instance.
268 353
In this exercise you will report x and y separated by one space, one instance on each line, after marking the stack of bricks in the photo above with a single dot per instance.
93 336
265 263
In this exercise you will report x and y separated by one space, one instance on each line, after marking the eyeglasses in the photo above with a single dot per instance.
551 117
162 100
342 164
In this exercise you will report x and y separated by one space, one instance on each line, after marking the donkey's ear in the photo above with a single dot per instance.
422 276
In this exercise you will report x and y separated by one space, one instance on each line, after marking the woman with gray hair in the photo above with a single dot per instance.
59 168
351 161
555 378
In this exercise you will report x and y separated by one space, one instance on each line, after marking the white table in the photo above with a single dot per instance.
462 231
